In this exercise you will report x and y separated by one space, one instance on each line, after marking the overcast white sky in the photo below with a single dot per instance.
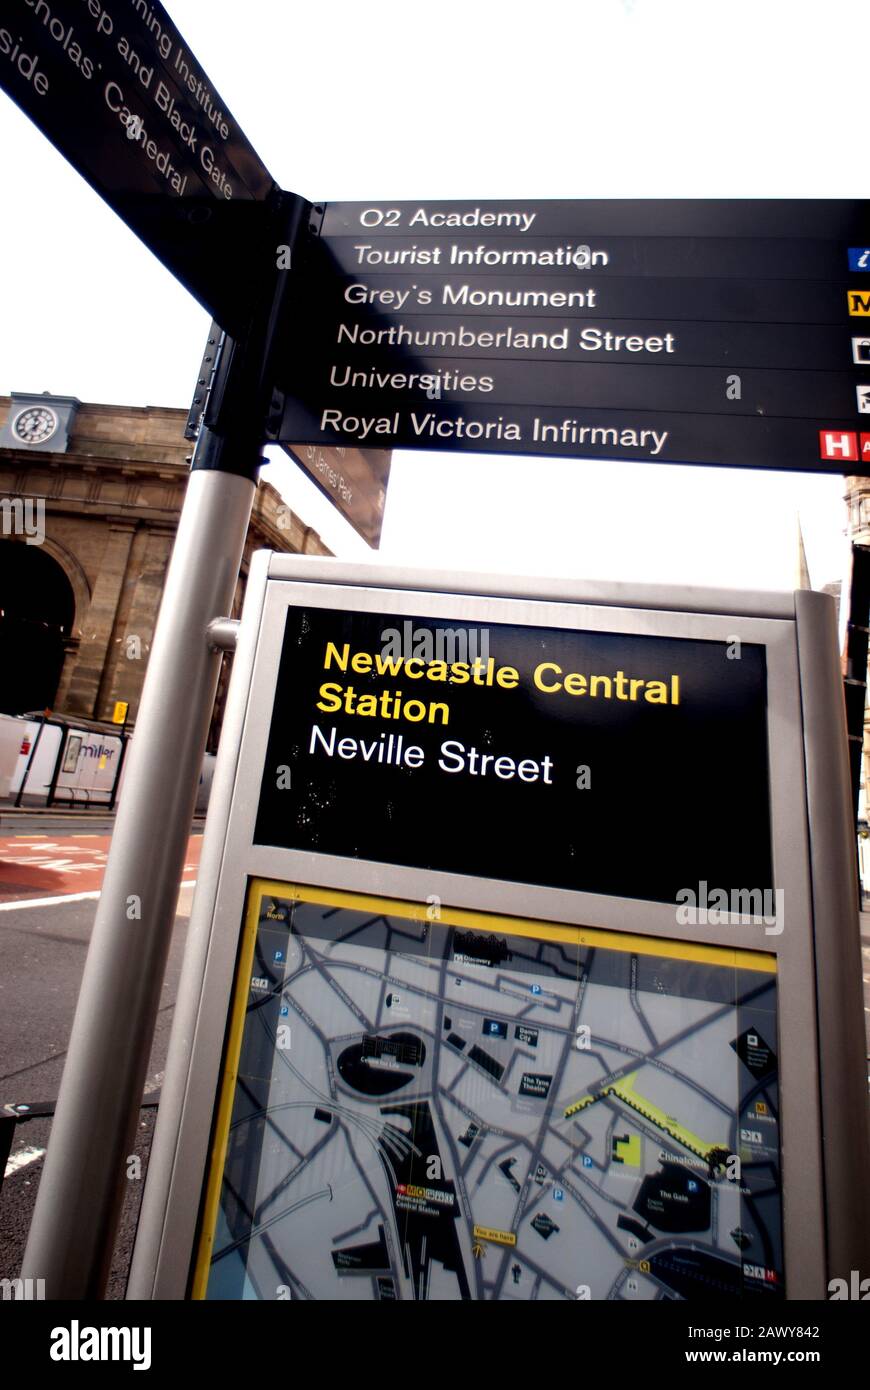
394 99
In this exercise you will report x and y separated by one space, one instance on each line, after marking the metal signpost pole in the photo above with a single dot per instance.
81 1191
82 1187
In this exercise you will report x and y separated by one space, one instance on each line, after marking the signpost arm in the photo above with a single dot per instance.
82 1187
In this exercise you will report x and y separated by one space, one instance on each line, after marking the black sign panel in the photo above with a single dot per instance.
604 258
790 219
737 441
354 480
362 336
116 89
612 763
390 384
694 332
390 296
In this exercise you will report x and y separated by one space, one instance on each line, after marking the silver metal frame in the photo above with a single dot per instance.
840 1001
797 639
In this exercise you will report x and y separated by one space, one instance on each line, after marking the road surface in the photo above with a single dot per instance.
49 885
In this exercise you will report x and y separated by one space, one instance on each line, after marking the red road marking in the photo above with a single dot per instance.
67 864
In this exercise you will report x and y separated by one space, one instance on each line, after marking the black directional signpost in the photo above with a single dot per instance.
679 332
348 819
117 90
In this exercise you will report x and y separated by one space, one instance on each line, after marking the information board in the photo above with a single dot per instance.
684 331
490 949
518 752
465 1106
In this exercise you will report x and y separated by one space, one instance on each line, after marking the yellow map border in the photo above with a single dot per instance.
260 888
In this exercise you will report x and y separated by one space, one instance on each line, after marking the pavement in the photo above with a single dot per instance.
50 881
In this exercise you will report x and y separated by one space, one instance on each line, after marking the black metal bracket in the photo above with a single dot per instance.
205 380
275 413
241 408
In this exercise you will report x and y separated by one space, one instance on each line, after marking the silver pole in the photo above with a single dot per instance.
82 1186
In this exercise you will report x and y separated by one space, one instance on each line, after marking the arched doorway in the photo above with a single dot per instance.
37 609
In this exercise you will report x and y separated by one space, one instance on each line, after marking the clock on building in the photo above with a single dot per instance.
35 424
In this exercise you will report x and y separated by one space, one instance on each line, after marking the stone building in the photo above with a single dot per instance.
90 497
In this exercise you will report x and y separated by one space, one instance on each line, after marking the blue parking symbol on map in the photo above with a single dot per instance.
284 1010
692 1185
279 955
558 1194
587 1161
536 989
859 258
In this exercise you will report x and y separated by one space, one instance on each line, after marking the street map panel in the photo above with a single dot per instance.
441 1105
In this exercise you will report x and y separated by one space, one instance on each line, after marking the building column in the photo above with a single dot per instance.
83 684
124 671
70 657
